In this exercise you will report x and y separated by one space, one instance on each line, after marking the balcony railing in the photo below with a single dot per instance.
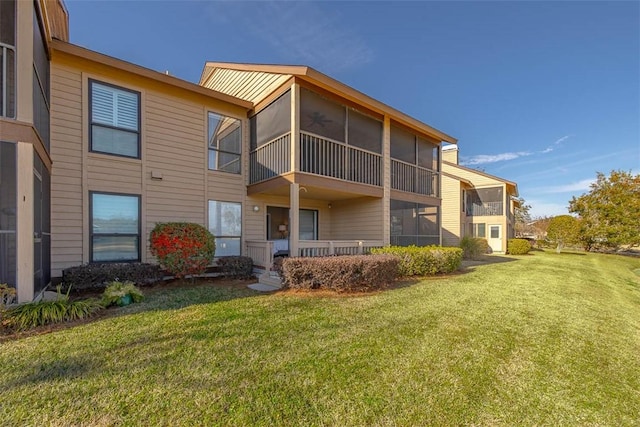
271 159
485 209
414 179
335 159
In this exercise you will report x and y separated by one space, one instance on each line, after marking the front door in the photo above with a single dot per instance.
495 238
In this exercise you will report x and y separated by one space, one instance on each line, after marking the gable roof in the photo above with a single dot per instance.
254 82
508 183
61 47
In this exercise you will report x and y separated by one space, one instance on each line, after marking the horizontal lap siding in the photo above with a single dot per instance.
173 142
66 177
357 219
451 211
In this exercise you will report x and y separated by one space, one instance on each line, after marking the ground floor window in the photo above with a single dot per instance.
478 230
225 223
414 224
115 227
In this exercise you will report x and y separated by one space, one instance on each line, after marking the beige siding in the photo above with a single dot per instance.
248 85
360 218
451 211
173 146
478 180
66 177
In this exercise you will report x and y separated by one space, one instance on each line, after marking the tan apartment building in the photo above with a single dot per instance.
274 160
476 203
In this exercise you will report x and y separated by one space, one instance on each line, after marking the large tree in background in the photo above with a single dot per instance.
563 230
522 217
610 212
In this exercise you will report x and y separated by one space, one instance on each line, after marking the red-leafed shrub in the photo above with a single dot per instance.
182 248
340 273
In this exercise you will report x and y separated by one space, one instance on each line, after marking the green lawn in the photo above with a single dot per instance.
543 339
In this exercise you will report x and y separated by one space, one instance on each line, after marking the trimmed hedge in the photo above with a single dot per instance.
90 276
474 247
424 260
239 267
518 246
340 273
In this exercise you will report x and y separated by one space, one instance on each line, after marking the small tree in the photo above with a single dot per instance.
522 217
610 211
182 248
563 230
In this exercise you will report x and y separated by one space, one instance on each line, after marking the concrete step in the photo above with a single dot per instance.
270 279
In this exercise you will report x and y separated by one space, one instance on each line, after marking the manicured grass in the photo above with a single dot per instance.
544 339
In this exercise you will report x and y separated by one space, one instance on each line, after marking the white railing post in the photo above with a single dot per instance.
360 248
332 250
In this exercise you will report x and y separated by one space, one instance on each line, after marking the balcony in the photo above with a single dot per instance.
414 179
485 209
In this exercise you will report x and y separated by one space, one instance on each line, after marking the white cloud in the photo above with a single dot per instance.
302 33
561 140
574 187
482 159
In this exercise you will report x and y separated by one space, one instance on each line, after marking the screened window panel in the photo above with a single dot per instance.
271 122
8 213
321 116
493 194
115 214
8 83
8 22
114 141
115 248
427 154
403 145
414 224
364 132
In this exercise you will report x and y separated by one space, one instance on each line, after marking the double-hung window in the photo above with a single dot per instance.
225 223
115 227
225 143
115 120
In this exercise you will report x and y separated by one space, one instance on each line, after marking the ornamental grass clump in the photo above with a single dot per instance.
62 309
183 248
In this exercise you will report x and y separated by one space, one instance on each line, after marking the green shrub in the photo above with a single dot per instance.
240 267
30 315
119 293
340 273
424 260
518 246
97 276
183 248
474 247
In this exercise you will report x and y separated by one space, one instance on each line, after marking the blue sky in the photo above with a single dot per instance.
542 93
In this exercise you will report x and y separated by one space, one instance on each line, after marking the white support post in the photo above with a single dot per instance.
294 219
332 249
386 180
24 223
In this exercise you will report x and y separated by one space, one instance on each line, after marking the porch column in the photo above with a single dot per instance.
295 127
294 219
24 223
386 181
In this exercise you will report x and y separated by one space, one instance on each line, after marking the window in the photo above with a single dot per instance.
225 223
225 143
495 231
478 230
8 58
308 227
115 120
8 210
115 227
